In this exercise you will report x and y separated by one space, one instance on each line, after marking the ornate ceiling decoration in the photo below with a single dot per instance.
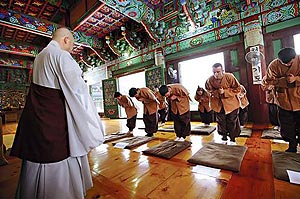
105 33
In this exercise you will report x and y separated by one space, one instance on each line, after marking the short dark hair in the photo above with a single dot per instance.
216 65
200 88
117 94
132 92
286 55
163 90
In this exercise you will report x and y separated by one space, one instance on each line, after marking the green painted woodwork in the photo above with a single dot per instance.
111 109
237 75
203 48
234 57
283 25
132 68
277 45
155 77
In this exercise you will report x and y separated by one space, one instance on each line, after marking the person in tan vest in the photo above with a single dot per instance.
244 103
180 108
206 113
130 110
224 88
162 108
150 116
284 74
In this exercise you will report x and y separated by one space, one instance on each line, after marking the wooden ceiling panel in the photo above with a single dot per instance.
104 21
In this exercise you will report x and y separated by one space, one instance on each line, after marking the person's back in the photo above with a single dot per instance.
46 64
150 102
52 139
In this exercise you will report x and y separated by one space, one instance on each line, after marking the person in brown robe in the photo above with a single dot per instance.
180 108
162 107
284 74
271 102
206 113
130 110
244 103
224 88
150 116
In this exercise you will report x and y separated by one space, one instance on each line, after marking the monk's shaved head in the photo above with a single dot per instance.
64 38
60 33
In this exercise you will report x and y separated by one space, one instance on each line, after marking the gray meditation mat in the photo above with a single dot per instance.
220 156
167 128
167 149
271 134
116 136
202 129
245 132
134 141
283 161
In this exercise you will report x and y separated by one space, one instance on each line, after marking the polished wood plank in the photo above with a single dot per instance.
123 173
255 179
9 177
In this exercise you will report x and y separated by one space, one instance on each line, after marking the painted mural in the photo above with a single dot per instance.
42 27
26 50
13 17
7 62
134 9
12 99
111 106
10 77
212 21
154 77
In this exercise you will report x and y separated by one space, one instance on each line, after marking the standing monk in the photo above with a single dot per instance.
150 116
58 127
130 110
284 74
224 88
180 108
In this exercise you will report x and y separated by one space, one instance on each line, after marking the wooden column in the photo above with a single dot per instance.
254 38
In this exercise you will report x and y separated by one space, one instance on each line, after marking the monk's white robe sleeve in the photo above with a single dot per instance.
84 125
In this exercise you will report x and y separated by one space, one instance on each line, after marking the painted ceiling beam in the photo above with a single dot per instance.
85 19
33 25
187 13
136 10
18 49
54 2
16 63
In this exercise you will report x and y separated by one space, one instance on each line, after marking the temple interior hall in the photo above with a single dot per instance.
124 44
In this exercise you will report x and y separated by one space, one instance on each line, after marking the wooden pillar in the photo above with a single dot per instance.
254 41
3 161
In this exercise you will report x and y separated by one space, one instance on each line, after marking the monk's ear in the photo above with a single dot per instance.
66 40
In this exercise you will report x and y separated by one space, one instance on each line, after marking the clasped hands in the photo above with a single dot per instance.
290 78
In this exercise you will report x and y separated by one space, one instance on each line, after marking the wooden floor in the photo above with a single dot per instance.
123 173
